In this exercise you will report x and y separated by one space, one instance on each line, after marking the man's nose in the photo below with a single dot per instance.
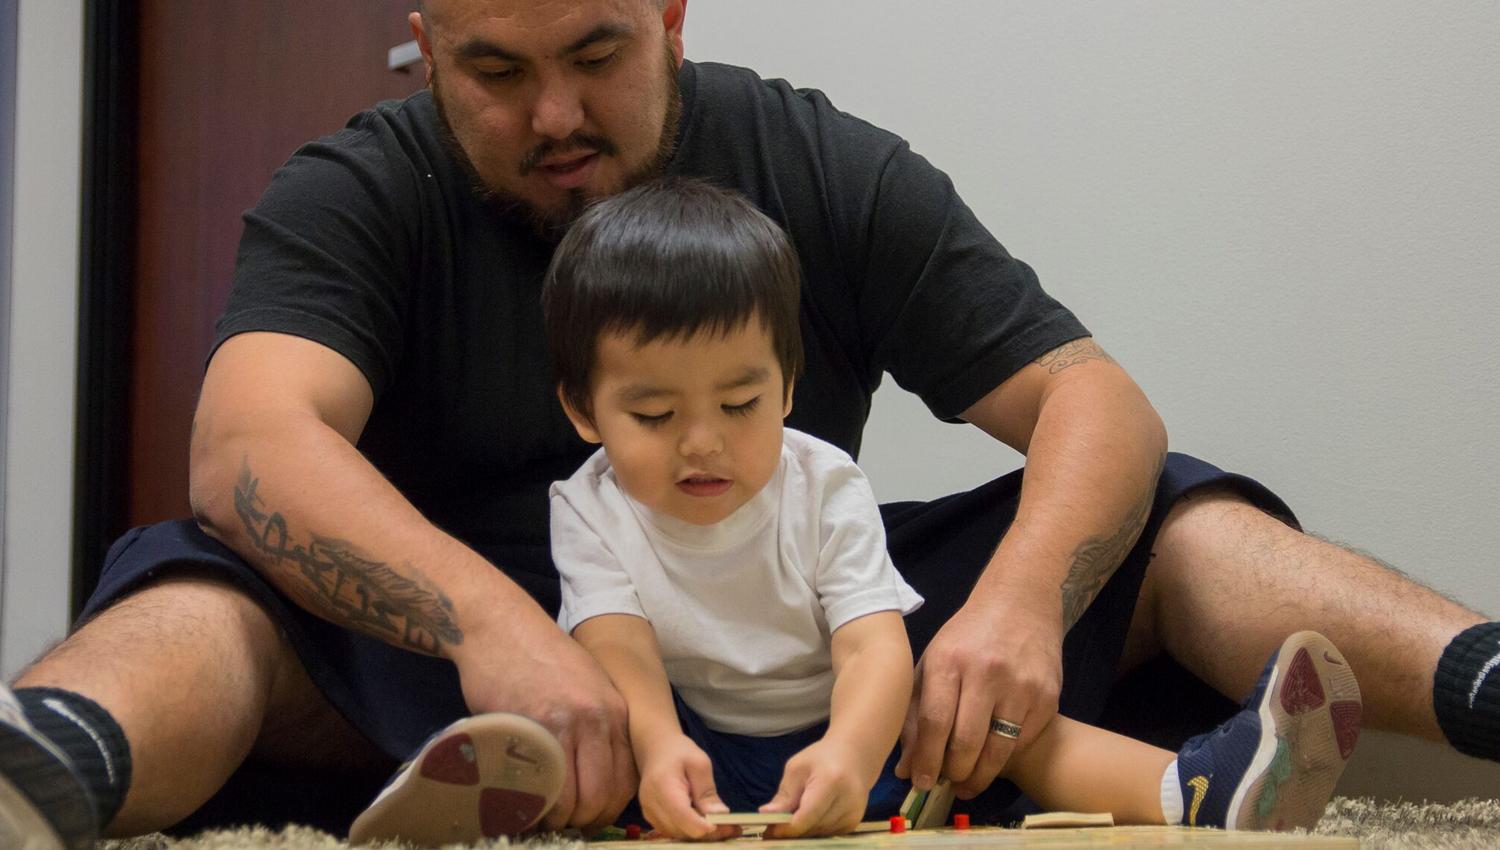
557 111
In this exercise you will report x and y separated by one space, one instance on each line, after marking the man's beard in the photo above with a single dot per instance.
551 224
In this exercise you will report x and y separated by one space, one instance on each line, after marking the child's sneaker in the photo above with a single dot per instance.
1273 766
481 777
43 802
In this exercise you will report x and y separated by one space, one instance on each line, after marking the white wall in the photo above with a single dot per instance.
43 332
1281 216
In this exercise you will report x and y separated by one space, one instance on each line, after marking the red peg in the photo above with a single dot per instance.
960 821
633 832
898 824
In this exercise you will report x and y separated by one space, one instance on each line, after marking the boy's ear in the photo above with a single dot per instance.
786 407
582 424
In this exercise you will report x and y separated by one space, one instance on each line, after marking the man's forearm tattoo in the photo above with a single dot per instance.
1071 354
335 581
1097 558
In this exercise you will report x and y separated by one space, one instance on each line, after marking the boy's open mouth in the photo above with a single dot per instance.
704 485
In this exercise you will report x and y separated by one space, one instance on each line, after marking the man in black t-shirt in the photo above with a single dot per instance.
378 427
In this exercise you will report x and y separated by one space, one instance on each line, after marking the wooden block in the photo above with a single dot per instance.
913 805
936 807
1067 820
875 826
748 818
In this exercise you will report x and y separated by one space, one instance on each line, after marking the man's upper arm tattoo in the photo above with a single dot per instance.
334 580
1097 558
1080 350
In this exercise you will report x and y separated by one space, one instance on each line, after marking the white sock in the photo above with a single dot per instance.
1171 796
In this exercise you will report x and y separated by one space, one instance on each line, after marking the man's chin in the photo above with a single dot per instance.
548 219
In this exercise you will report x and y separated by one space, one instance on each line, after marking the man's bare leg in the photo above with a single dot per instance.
1228 583
198 676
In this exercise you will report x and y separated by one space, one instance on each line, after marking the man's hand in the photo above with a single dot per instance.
995 659
539 672
826 788
677 790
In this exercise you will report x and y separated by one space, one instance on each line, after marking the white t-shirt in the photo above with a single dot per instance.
743 609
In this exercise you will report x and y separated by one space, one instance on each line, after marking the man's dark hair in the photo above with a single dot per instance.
671 258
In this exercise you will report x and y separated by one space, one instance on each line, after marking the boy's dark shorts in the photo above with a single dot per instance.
397 698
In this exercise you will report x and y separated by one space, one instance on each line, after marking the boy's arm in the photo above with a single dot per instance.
625 646
677 779
872 671
871 655
827 785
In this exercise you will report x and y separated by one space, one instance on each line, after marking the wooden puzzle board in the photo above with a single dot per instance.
995 838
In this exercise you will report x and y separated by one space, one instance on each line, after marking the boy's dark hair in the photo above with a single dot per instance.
671 258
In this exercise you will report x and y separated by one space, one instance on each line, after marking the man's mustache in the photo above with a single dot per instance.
579 141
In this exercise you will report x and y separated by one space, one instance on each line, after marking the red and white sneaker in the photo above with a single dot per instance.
482 777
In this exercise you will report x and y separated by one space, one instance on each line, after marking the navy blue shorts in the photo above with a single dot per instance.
398 698
747 768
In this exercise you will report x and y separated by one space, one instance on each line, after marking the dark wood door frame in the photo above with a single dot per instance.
106 280
190 108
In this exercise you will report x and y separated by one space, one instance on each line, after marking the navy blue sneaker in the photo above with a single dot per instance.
1273 766
43 802
479 778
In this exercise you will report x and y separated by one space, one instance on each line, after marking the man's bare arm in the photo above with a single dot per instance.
332 578
277 478
1094 449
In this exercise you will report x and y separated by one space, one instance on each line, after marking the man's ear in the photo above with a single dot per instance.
582 424
419 29
786 407
672 13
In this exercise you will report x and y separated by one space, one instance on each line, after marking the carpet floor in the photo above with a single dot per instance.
1468 825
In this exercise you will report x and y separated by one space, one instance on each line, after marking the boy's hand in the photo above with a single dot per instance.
677 790
826 787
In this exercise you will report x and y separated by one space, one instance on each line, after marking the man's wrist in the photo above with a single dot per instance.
494 614
1007 583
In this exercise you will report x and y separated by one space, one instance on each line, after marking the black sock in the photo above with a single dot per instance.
1466 692
89 737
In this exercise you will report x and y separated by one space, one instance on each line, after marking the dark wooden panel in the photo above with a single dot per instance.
228 90
106 286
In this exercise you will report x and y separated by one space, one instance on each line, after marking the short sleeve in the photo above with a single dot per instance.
855 575
593 580
328 251
946 310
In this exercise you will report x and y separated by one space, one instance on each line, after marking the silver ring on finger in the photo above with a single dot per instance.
1005 728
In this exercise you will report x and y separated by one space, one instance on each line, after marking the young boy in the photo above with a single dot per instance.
731 575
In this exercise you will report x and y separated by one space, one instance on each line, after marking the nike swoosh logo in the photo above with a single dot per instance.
1484 672
511 751
1199 784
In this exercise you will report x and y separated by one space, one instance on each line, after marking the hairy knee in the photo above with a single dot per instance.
1216 511
173 616
185 598
1215 535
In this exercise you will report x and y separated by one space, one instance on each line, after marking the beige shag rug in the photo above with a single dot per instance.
1467 825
